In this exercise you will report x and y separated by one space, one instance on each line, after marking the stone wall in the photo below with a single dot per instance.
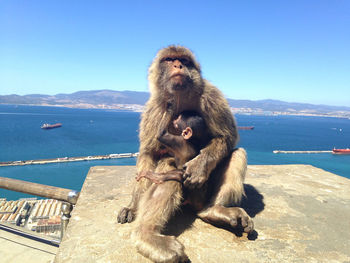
301 214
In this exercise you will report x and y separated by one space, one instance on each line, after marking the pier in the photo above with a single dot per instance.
70 159
279 151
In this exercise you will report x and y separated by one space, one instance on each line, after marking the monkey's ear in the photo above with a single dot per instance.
187 133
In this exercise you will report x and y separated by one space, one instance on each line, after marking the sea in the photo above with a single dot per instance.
88 132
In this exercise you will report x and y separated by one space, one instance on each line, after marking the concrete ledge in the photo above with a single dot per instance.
15 248
301 214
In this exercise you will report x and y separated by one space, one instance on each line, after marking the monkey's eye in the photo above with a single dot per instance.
184 61
168 59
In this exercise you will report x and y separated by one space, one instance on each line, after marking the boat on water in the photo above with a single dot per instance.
245 127
47 126
341 151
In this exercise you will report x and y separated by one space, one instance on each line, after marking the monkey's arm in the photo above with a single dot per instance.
158 178
145 162
149 150
222 127
153 120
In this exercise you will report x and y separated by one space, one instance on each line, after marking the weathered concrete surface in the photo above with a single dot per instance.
17 249
301 214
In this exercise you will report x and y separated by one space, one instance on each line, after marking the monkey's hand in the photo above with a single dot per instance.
196 173
126 215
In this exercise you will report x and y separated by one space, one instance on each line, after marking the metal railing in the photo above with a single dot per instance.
68 196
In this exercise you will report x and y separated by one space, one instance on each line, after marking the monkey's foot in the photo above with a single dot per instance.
126 215
160 248
237 214
232 216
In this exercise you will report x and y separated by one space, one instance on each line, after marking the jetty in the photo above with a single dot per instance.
279 151
70 159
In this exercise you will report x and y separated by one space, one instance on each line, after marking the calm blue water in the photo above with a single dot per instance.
95 132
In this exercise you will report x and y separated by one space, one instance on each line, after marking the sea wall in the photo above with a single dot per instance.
301 214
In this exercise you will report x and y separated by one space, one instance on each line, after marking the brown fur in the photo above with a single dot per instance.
188 138
153 204
158 178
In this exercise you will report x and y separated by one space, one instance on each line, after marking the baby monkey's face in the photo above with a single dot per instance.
178 126
175 139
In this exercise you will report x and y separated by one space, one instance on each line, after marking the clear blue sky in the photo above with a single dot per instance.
297 51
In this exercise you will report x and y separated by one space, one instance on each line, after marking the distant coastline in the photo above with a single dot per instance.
135 101
139 108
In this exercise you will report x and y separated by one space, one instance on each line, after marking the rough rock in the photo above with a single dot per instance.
301 214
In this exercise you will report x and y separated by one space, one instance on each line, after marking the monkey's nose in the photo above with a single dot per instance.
177 64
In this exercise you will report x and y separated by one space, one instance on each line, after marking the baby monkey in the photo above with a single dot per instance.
183 141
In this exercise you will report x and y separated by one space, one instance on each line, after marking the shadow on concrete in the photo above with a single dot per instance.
252 203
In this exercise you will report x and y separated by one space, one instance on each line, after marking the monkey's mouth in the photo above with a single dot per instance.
177 75
179 81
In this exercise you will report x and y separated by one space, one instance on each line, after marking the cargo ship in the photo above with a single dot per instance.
341 151
47 126
245 127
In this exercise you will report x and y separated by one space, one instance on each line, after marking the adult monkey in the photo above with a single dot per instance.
176 85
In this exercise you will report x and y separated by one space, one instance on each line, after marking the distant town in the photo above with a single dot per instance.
41 216
243 110
135 101
249 111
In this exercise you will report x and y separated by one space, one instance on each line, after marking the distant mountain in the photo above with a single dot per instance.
281 106
94 97
111 99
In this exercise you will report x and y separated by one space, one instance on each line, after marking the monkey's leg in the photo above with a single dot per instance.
127 214
155 208
229 191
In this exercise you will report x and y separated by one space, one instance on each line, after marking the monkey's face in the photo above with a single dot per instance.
179 125
178 71
178 146
174 143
